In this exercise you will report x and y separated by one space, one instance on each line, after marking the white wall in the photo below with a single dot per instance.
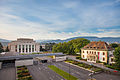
100 54
23 62
62 58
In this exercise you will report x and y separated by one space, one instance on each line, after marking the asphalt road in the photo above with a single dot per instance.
83 74
42 72
8 73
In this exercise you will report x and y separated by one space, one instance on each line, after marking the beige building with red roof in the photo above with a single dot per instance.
96 51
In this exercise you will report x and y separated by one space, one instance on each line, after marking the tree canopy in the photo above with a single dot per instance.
1 48
114 45
117 58
71 47
7 49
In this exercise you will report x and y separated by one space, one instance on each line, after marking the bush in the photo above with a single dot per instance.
109 66
78 57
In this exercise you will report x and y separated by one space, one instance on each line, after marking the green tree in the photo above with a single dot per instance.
114 45
71 47
1 48
117 58
7 49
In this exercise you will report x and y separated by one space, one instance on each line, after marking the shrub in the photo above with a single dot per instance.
78 57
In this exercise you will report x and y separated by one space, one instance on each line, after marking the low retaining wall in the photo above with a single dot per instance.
24 62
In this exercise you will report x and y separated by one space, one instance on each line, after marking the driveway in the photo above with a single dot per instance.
8 73
42 72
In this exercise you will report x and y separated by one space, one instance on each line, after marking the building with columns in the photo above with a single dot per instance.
97 51
24 45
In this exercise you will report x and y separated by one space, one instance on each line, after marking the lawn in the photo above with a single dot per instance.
62 73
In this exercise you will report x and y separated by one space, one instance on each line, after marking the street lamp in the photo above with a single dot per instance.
91 74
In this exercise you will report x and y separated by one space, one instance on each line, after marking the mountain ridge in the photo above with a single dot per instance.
91 38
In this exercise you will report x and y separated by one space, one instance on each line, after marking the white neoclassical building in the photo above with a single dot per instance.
24 45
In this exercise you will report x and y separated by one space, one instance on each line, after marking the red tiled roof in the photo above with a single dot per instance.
100 45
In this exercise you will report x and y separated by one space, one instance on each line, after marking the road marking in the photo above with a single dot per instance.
39 68
51 78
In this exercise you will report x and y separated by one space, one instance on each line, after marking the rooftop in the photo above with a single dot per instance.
100 45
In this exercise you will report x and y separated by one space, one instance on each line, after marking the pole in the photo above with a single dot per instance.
69 71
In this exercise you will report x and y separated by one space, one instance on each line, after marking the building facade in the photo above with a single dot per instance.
96 51
24 45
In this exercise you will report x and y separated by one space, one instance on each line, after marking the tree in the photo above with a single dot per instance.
7 49
117 58
1 48
114 45
71 47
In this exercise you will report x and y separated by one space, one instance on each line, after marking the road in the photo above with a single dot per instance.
83 74
8 73
42 72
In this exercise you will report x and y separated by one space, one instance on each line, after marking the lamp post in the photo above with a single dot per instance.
91 74
69 71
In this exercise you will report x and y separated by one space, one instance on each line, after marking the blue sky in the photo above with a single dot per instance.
59 19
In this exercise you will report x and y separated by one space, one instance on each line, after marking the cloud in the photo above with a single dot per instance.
65 19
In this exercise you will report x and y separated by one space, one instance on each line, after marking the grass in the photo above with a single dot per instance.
29 53
62 73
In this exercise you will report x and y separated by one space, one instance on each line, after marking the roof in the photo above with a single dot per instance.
12 57
100 45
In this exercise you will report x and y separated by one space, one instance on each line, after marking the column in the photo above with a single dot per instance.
17 48
28 48
21 48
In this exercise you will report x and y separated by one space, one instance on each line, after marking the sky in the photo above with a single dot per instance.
59 19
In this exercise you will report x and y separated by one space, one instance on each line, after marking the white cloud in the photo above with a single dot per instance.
13 23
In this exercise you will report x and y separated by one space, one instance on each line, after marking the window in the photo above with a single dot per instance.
23 48
83 56
103 53
19 48
83 51
26 48
103 59
29 48
112 59
94 52
87 52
